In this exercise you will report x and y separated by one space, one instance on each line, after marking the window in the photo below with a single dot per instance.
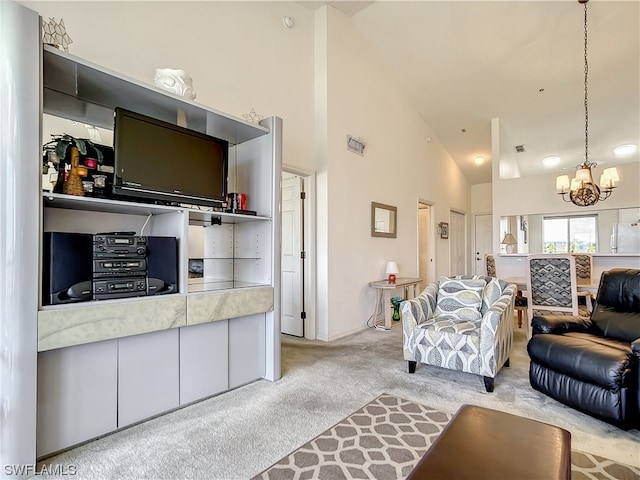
570 234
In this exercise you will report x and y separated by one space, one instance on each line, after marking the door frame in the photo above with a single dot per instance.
465 236
432 241
309 246
473 235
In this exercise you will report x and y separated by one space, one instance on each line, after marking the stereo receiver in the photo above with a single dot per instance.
119 246
119 288
107 267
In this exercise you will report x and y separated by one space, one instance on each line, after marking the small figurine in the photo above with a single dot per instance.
175 81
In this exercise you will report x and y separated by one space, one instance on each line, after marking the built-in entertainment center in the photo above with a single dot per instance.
110 358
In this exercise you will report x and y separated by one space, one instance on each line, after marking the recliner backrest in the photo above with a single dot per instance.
616 313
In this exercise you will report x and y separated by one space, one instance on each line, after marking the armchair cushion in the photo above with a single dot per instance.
559 324
460 299
592 360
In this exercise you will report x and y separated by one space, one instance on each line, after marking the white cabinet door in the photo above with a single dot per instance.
77 394
148 381
204 361
246 349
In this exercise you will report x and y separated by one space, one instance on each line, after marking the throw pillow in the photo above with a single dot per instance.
460 298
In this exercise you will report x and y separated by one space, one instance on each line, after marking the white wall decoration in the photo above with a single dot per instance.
175 81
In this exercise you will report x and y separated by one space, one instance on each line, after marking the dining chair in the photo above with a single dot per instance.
584 267
520 298
552 287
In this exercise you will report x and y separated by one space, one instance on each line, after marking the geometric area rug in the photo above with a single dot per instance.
385 439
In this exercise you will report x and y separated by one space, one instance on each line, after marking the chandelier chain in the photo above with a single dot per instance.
582 190
586 90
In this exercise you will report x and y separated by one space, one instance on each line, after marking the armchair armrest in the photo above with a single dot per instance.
496 333
415 312
500 309
558 324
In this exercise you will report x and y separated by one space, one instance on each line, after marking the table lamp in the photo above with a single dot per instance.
510 241
392 270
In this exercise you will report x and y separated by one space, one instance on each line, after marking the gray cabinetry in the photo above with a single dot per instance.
246 349
77 394
148 382
204 361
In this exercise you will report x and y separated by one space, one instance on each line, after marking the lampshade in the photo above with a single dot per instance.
392 268
562 183
509 239
584 175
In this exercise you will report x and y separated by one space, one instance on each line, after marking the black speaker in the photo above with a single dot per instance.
162 265
67 267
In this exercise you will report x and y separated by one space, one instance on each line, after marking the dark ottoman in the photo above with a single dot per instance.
480 443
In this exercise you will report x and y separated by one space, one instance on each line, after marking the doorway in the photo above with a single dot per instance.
297 297
426 265
293 255
483 241
457 242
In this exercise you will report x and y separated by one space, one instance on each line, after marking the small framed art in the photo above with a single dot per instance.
443 228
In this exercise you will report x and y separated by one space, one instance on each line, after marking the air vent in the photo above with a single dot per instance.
355 145
519 148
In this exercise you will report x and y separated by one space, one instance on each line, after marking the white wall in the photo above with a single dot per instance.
481 198
398 168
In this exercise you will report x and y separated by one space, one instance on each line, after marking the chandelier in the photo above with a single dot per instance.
581 190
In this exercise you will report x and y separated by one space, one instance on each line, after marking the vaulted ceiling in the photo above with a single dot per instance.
463 63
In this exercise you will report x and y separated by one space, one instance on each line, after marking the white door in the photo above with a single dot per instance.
425 243
457 243
292 322
483 239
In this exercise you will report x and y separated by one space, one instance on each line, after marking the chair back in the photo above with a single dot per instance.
551 282
617 310
490 265
584 267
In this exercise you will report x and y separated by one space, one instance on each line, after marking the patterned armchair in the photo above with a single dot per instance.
463 323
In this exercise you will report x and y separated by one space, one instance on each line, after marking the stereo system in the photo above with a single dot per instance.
80 266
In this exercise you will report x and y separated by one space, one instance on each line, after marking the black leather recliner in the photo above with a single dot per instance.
593 364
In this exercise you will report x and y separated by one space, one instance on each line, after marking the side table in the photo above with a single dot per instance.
384 290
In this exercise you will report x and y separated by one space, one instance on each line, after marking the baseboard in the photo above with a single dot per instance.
345 334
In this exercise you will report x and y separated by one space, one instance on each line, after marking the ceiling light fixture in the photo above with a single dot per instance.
581 189
551 161
478 160
625 150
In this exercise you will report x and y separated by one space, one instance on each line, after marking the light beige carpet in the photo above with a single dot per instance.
386 438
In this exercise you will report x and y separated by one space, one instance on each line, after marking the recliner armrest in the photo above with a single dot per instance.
558 324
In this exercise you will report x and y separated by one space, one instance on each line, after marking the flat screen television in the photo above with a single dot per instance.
165 163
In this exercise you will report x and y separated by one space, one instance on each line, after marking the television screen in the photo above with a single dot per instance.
164 162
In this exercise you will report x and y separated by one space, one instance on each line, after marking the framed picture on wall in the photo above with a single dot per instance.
443 228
